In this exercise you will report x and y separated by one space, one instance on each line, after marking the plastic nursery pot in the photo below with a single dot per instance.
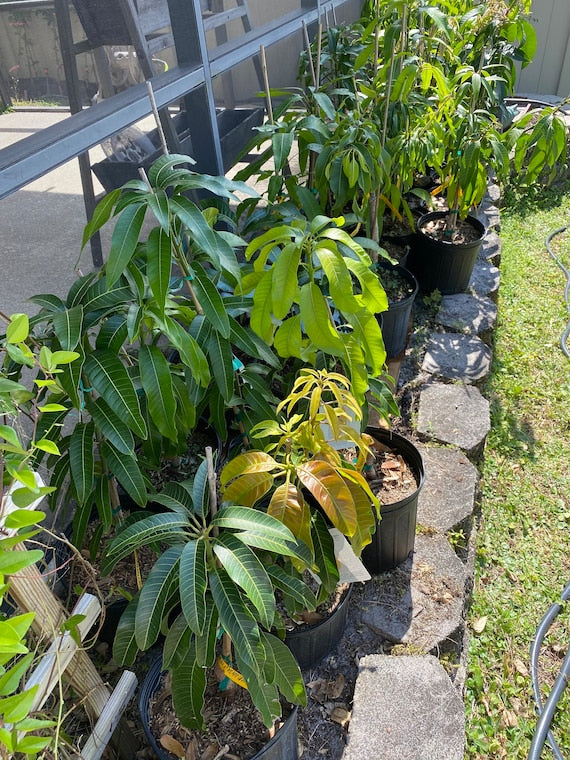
396 320
441 264
282 746
396 532
310 643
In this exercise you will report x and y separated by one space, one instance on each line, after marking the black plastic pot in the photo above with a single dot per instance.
396 320
396 532
310 643
441 264
235 128
283 746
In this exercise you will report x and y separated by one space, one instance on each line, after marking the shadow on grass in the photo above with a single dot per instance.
523 200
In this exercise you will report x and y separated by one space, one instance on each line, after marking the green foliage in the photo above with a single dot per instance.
314 291
301 464
218 572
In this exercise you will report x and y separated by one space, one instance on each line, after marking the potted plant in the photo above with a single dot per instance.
395 473
213 573
309 475
401 289
161 344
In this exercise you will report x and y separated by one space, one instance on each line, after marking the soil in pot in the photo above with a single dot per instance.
396 476
464 232
232 723
401 287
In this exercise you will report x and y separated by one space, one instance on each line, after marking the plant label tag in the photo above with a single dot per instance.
351 568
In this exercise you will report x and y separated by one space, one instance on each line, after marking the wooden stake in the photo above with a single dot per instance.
157 118
309 56
266 84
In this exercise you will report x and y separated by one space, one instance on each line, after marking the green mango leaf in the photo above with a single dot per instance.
157 383
338 276
191 354
188 689
292 586
48 302
101 215
111 380
125 646
81 459
155 596
159 262
70 380
206 644
282 142
211 301
155 528
248 489
68 327
248 462
316 319
111 426
288 339
127 471
236 619
176 496
248 342
245 569
103 503
287 675
261 313
265 696
220 355
193 584
176 642
112 333
368 335
124 241
201 489
285 286
324 556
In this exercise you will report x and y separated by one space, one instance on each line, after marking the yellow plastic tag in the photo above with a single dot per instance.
231 673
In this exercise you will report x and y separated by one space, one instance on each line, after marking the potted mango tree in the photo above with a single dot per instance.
308 474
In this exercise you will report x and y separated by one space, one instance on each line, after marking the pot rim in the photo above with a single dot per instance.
418 467
472 220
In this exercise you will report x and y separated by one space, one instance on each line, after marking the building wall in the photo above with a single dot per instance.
549 73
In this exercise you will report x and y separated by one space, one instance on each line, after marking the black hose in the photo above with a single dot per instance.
546 711
566 334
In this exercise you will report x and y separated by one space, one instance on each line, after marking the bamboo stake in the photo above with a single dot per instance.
266 84
163 144
319 47
309 56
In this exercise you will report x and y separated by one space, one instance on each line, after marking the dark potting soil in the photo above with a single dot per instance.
397 287
389 476
438 230
232 723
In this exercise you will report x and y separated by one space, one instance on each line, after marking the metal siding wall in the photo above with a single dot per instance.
548 74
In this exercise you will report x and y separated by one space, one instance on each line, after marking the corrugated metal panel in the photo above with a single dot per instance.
549 73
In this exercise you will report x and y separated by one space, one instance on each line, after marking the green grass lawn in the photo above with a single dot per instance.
523 547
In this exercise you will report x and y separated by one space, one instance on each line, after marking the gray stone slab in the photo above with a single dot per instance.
491 248
490 216
485 279
456 414
468 314
493 194
448 495
420 603
405 708
457 357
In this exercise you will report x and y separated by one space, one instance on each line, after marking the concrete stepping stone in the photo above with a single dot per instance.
491 248
485 279
405 708
493 194
420 603
457 357
448 495
490 216
455 414
468 314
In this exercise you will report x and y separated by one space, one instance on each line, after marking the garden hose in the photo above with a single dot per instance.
546 711
566 334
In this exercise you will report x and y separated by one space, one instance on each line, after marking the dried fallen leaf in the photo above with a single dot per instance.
520 667
210 752
509 719
341 716
311 618
334 688
172 745
479 624
190 753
